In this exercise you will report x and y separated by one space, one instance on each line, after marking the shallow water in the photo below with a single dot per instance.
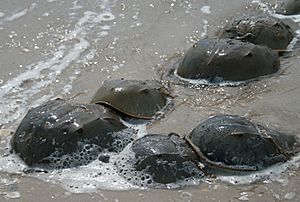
67 48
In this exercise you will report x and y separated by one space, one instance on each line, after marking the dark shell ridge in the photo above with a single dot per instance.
234 143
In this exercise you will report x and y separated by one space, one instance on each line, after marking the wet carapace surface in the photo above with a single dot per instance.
138 99
260 30
230 142
288 7
219 60
58 128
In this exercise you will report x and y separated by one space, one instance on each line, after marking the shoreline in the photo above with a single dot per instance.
139 40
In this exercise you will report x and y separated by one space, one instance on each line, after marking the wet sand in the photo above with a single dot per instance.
71 48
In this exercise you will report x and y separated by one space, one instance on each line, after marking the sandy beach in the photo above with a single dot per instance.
68 48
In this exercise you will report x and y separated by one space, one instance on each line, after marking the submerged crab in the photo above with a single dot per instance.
138 99
288 7
219 60
260 30
233 143
163 158
57 128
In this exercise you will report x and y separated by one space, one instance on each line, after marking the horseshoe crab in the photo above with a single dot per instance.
219 60
233 143
138 99
260 30
58 128
288 7
162 159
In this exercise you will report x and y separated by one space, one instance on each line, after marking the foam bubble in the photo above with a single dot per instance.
87 154
124 164
93 170
107 16
122 139
114 171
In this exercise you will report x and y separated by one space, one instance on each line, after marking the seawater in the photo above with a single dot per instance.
35 83
74 46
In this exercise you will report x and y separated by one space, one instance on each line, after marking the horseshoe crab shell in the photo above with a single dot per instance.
233 143
288 7
138 99
166 158
260 30
63 128
227 60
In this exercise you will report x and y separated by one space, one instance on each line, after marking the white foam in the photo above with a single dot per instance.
46 14
125 166
83 179
107 176
18 14
205 9
199 82
13 195
2 14
262 5
140 128
76 4
15 97
97 174
290 195
272 173
12 164
205 26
